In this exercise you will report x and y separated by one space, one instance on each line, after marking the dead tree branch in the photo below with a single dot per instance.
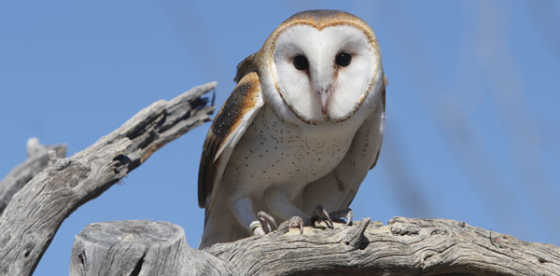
35 212
38 158
402 247
139 248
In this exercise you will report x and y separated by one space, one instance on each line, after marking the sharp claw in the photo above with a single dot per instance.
256 228
327 219
294 222
322 215
297 222
267 222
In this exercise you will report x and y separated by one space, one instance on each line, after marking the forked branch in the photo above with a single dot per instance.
35 212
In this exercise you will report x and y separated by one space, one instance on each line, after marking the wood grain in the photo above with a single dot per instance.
403 246
136 247
38 158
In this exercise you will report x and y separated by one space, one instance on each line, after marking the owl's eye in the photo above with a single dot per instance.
301 63
343 59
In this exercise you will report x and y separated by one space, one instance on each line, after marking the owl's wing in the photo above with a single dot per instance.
228 127
381 122
246 66
336 190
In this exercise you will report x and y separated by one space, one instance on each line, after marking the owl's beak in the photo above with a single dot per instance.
322 77
324 94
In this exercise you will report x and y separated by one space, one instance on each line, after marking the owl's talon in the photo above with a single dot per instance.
267 222
256 229
264 224
341 216
320 214
294 222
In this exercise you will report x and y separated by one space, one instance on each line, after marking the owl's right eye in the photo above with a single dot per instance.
301 63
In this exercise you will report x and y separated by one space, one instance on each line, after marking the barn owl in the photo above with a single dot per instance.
300 130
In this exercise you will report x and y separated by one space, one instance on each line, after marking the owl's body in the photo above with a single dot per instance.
273 148
286 154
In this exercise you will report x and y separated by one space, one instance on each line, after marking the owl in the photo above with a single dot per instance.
301 129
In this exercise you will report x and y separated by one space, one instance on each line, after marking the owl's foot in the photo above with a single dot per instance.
264 224
295 222
319 215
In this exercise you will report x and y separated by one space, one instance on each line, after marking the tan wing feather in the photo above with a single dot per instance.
246 66
228 127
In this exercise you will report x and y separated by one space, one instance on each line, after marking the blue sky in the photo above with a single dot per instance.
472 122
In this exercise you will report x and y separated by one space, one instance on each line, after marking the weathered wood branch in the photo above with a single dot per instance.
35 212
139 248
402 247
38 158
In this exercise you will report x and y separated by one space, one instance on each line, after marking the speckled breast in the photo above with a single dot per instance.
274 152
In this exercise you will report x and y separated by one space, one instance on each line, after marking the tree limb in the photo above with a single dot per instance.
402 247
39 157
35 213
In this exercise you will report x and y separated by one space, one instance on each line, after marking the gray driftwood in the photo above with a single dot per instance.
38 158
35 212
402 247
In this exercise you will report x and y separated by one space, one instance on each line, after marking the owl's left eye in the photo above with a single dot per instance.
343 59
301 63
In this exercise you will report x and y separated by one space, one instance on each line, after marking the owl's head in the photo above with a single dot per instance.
321 66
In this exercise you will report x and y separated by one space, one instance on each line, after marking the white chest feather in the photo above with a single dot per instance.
273 152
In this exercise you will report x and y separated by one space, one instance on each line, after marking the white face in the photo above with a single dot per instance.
324 75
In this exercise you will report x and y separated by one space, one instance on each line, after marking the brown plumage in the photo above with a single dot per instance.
243 99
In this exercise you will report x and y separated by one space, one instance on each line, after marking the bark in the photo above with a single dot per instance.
139 248
35 212
402 247
38 158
